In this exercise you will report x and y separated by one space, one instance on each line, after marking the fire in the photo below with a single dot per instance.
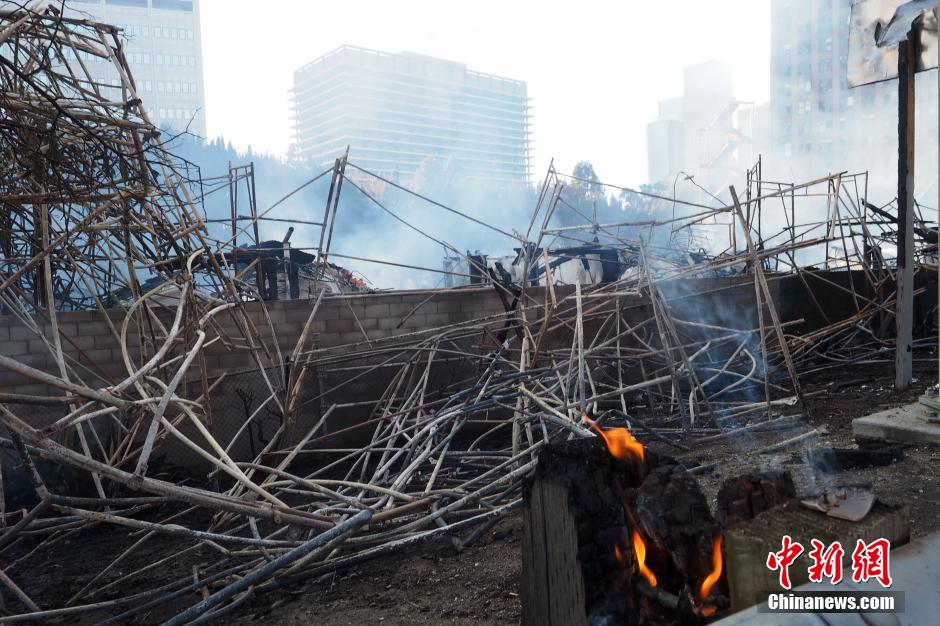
620 441
712 578
618 554
639 547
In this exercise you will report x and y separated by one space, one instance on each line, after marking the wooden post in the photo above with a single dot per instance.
907 65
552 584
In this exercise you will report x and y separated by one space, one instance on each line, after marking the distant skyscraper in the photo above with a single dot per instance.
164 50
397 110
820 124
705 133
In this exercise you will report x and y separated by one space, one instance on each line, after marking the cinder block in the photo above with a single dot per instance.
105 341
8 380
449 305
235 361
97 356
14 348
437 319
352 337
328 340
31 390
298 316
339 325
462 316
418 320
287 341
277 316
37 361
379 333
376 310
402 309
355 312
21 332
79 342
117 356
367 323
39 346
111 371
472 302
389 323
117 315
328 311
80 317
66 329
411 301
96 328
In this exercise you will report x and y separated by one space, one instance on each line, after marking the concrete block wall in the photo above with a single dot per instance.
89 342
377 319
372 323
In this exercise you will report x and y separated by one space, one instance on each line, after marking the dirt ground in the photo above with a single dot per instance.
435 584
438 585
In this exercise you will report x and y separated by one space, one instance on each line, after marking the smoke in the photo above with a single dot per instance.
374 220
814 125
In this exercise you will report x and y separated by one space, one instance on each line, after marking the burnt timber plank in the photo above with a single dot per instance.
552 585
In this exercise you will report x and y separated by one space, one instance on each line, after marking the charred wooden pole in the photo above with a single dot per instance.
904 319
774 318
253 206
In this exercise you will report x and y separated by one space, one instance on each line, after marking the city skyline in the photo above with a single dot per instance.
594 82
786 107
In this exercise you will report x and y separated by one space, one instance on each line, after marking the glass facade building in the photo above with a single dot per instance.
164 49
396 111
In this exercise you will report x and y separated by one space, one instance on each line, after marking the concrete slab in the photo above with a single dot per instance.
906 424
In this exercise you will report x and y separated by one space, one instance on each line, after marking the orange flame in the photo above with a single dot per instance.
620 441
618 554
639 547
712 578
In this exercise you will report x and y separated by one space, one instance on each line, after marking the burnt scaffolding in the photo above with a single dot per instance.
98 214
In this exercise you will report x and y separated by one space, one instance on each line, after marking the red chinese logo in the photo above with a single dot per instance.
783 559
826 562
872 561
869 560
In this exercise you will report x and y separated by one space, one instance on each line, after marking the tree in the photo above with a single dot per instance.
638 205
586 181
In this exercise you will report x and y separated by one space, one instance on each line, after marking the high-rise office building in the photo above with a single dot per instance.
705 133
164 51
396 111
821 124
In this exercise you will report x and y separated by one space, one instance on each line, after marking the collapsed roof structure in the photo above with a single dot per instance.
461 403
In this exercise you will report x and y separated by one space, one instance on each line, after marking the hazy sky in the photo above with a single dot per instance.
595 69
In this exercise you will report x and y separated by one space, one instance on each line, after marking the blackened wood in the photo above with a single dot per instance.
743 497
907 65
831 460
